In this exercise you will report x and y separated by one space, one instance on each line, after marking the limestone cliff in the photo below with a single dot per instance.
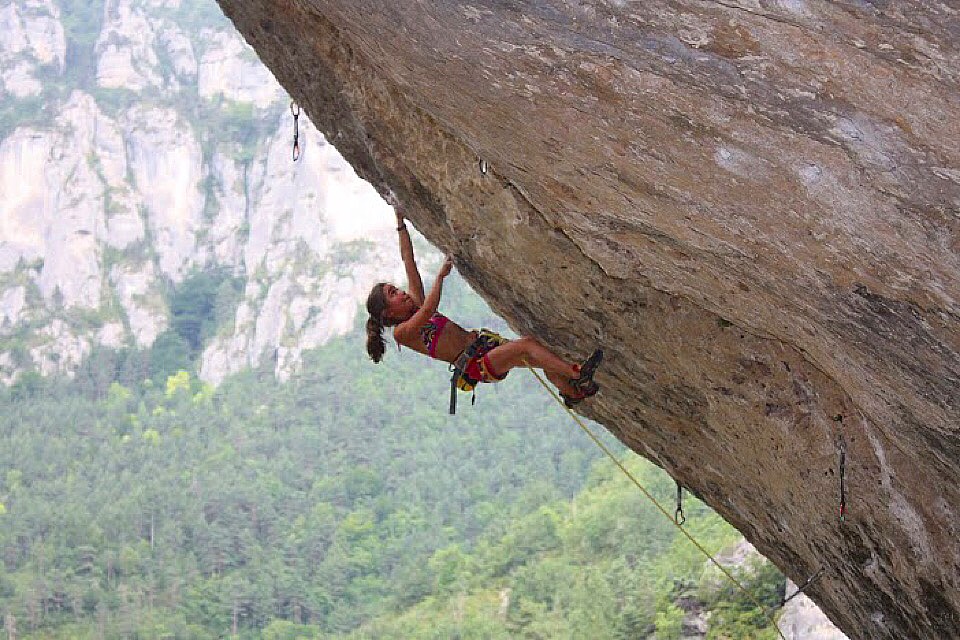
753 205
142 142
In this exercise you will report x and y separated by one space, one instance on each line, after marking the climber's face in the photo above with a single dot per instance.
400 305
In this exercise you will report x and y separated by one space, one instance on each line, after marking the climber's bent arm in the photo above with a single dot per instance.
410 329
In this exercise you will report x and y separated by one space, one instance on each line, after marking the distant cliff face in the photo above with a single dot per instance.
755 208
143 142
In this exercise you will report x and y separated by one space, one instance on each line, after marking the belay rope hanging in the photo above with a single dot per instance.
657 504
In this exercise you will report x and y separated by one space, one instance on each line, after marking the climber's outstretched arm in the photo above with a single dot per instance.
414 283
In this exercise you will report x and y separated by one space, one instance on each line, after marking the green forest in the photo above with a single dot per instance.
344 503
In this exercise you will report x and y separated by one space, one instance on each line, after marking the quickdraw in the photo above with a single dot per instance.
678 516
295 110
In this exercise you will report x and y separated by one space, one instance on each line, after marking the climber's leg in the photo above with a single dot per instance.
528 350
573 384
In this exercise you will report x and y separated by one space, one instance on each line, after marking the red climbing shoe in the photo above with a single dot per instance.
572 400
584 384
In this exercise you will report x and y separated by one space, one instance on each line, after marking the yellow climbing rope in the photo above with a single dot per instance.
650 497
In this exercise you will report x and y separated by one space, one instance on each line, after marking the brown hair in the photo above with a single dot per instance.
377 308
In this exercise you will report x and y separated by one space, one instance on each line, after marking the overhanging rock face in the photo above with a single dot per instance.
754 206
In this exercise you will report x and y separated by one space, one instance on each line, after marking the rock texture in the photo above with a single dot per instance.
754 205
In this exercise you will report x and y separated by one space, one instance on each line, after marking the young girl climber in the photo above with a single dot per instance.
476 356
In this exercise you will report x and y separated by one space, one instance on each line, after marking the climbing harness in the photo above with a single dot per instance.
678 516
655 502
295 110
800 589
462 380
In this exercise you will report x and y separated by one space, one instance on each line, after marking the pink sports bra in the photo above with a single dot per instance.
430 332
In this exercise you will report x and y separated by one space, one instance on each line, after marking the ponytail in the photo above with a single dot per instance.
375 343
376 307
